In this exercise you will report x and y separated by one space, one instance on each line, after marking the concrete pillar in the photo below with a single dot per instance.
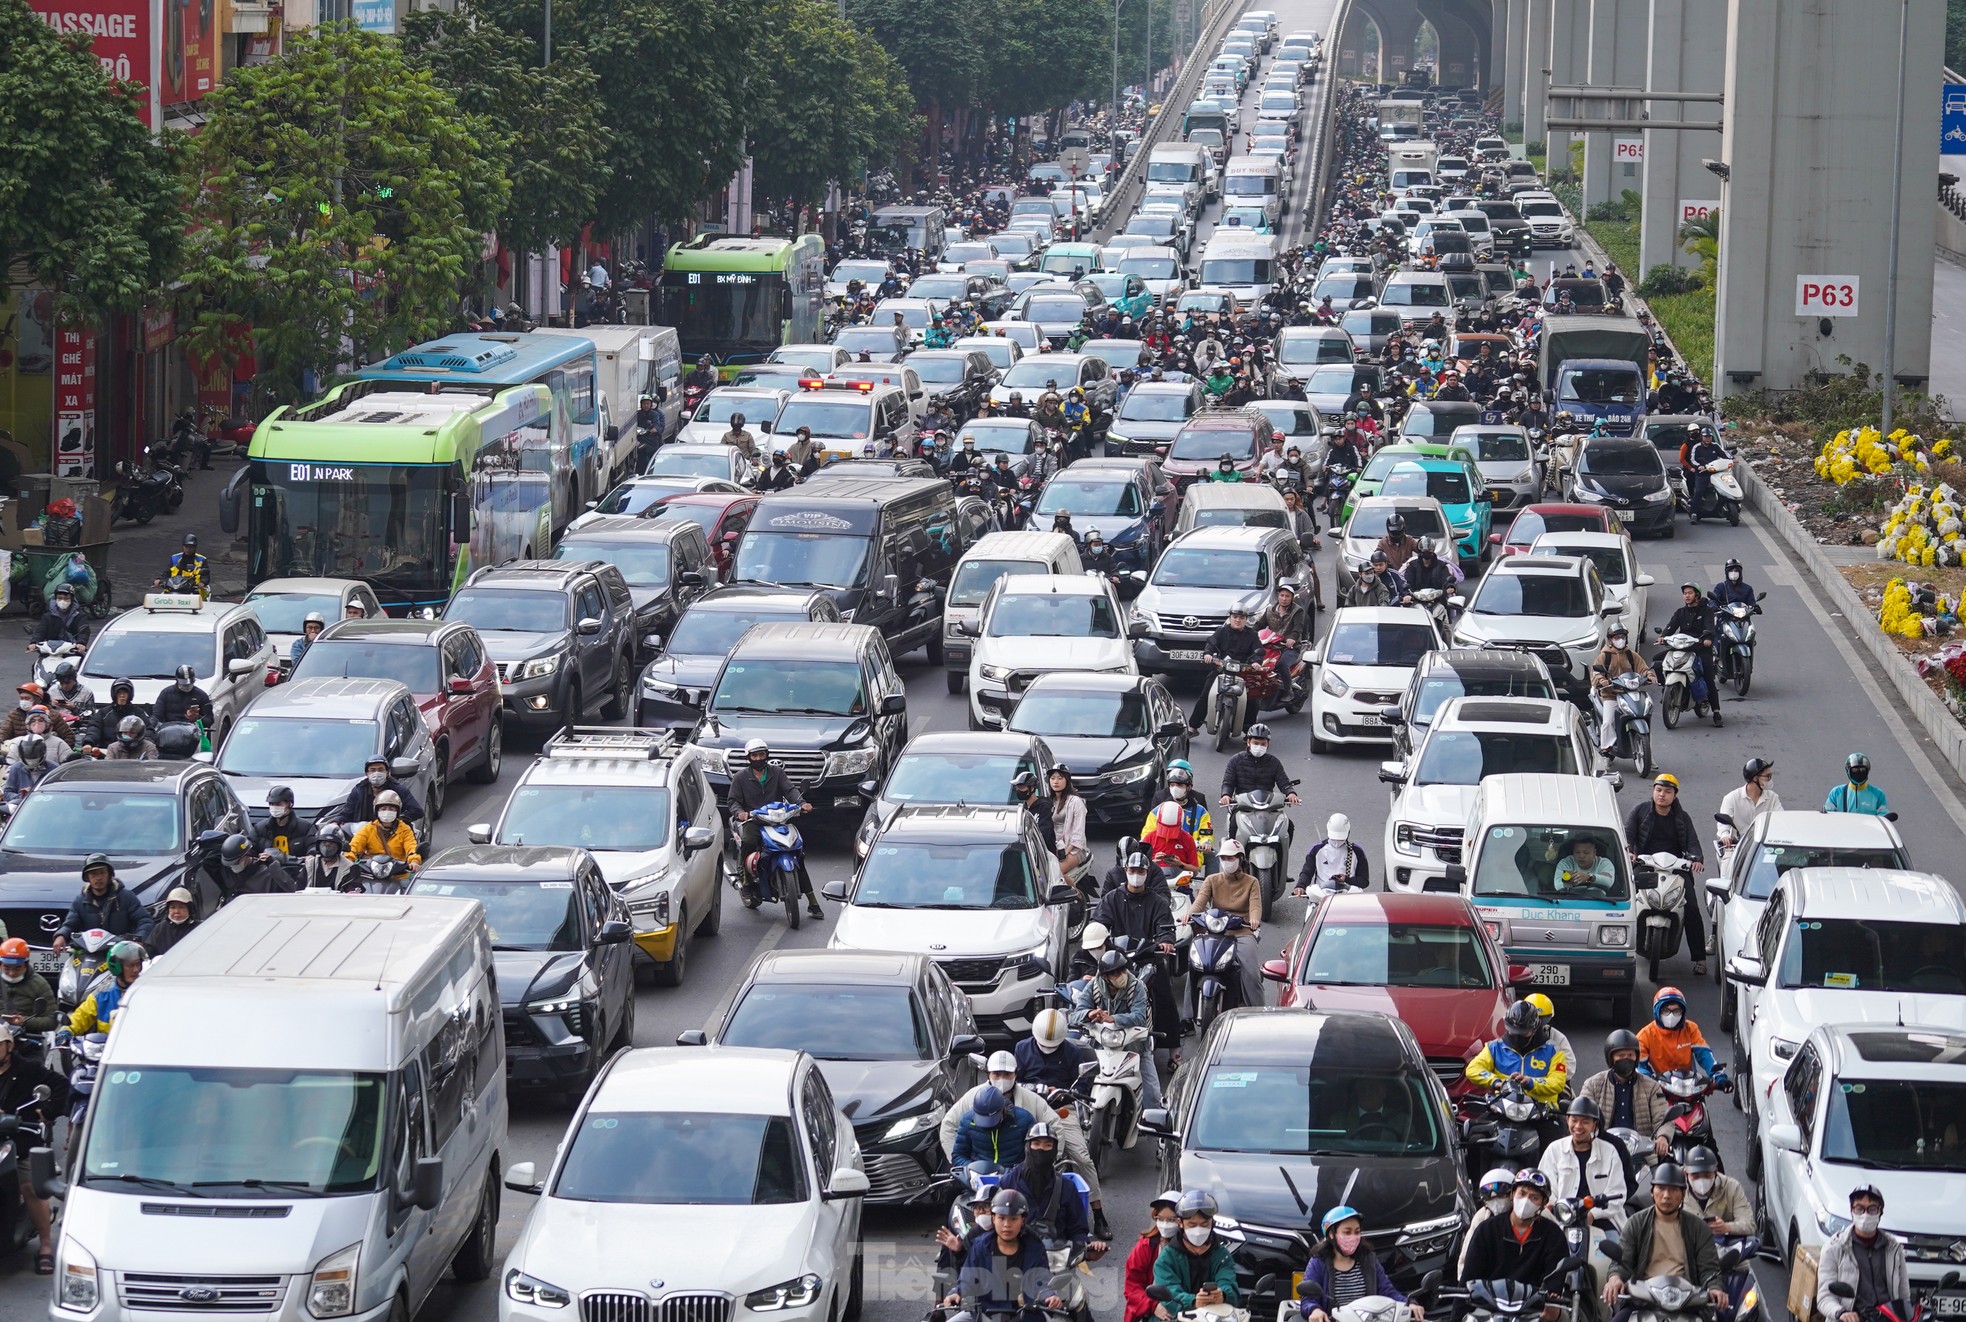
1511 69
1398 30
1536 70
1569 61
1478 17
1617 59
1808 142
1457 44
1686 52
1351 45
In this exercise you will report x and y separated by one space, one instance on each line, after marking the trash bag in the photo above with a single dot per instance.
75 571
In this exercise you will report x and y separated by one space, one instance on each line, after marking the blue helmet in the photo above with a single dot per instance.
986 1112
1337 1216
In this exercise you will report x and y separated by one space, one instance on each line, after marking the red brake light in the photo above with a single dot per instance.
863 386
810 383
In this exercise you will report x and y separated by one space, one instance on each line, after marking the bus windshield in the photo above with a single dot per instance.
713 317
381 523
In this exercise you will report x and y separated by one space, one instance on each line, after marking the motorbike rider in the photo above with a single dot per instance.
1398 544
26 775
779 476
239 869
739 438
19 1077
1627 1097
1703 450
1856 793
1427 570
1733 589
1375 583
105 903
1523 1054
1495 1195
188 564
1619 657
1162 1229
1008 1266
1343 1267
1169 840
1294 472
762 782
1195 819
992 1129
105 727
282 835
1225 470
70 698
176 699
1754 797
180 921
1525 1246
1865 1257
1662 825
1116 995
1198 1271
1290 622
1255 768
98 1009
27 1002
33 698
803 454
1546 1011
1024 786
1097 557
954 1249
1139 908
1650 1248
385 833
1335 856
703 376
1716 1197
1235 891
361 802
1585 1164
63 621
1695 618
1056 1213
648 431
1672 1041
1234 641
310 629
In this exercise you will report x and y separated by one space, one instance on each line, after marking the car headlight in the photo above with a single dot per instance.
1032 963
1783 1048
846 616
1526 475
796 1293
1657 497
650 912
912 1124
1403 840
538 666
1117 439
524 1289
1333 685
1148 618
1465 520
331 1292
1830 1223
1580 492
663 688
850 761
75 1276
998 673
1614 934
1590 640
1432 1229
1130 775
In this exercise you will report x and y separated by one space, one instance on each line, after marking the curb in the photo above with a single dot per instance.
1946 733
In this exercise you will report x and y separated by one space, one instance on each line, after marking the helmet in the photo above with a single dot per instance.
1009 1202
125 953
1521 1025
1040 1130
388 799
1701 1160
1092 936
178 740
1168 814
13 950
237 847
1395 524
1256 731
1731 567
1668 996
97 861
126 685
1498 1181
1668 1175
756 746
1196 1202
131 728
1168 1198
1755 766
986 1112
279 794
1531 1178
314 617
33 748
1337 1216
1001 1062
1586 1108
1112 962
1025 780
1048 1029
1544 1007
191 540
64 669
179 895
1622 1039
1177 774
1857 767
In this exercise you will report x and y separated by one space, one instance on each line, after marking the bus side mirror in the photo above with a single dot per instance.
228 503
460 515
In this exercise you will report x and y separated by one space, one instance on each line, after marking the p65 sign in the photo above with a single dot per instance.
1826 296
1691 209
1628 151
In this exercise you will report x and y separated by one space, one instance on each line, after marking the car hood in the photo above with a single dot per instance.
1838 1005
1626 487
1146 430
940 931
298 1233
791 731
1523 628
1448 1021
1050 653
686 668
508 645
1086 755
622 866
1175 603
311 793
28 880
1371 679
1445 805
1502 470
866 1090
521 971
1112 527
688 1247
1257 1187
702 432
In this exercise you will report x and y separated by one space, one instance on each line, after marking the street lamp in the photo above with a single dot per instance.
1116 53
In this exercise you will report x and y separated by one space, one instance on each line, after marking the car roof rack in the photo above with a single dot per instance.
612 741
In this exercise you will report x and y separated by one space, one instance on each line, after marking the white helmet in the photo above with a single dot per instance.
755 746
1094 936
1001 1062
1168 814
1048 1030
1339 827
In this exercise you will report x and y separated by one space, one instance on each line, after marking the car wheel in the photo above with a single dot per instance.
486 772
440 779
475 1258
571 708
624 1034
956 679
713 922
621 690
670 972
856 1291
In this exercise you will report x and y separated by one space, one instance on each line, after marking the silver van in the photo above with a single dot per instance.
346 1131
993 556
1231 505
1255 179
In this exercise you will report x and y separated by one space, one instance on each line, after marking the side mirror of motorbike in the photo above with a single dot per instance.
1275 970
478 833
1761 596
41 1174
1725 819
1160 1294
1843 1289
1747 970
692 1037
1890 817
834 890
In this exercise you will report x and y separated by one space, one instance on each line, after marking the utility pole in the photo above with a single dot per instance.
1116 61
1897 201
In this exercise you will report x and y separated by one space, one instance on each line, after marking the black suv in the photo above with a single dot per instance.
566 974
562 633
957 377
687 659
666 563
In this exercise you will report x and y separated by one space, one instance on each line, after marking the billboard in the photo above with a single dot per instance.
170 48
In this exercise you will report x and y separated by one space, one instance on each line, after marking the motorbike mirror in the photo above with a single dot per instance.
1725 819
1276 970
834 890
478 833
1089 1068
1761 596
1160 1294
41 1174
1890 817
692 1037
1949 1280
1267 1285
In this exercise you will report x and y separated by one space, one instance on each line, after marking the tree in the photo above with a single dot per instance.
831 99
1045 53
941 43
89 201
1701 238
550 118
341 200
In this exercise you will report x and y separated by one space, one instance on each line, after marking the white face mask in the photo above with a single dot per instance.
278 810
1003 1083
1671 1019
26 704
1197 1235
1167 1227
1733 576
1702 1186
1525 1207
1499 1204
985 1220
13 974
1135 880
1259 748
1866 1222
1177 791
378 778
387 816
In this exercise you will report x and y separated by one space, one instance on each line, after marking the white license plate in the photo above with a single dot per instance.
1550 975
1371 718
44 961
1949 1305
1184 654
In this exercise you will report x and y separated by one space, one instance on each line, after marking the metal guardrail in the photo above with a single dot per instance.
1324 125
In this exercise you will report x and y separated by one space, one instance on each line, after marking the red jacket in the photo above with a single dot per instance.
1174 841
1140 1275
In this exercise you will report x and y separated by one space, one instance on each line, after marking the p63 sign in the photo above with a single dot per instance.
1826 296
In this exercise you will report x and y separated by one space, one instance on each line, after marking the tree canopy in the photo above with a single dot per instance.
824 98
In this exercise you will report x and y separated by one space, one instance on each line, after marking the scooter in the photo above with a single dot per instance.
1217 964
1915 1309
1506 1128
141 494
1722 496
1265 830
1578 1216
87 967
1631 710
48 655
1443 606
1681 682
778 868
1228 705
1660 912
1737 1255
1692 1126
378 874
19 1134
1733 650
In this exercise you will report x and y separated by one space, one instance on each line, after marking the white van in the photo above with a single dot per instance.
1184 163
1250 179
632 361
345 1125
1242 264
992 556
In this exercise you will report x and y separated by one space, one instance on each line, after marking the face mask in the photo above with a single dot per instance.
985 1220
1733 576
1167 1228
1258 749
1003 1083
1866 1222
13 974
26 703
1177 791
1702 1187
378 778
279 811
1525 1208
1671 1019
1197 1235
1038 1157
1135 880
1623 1068
1348 1242
386 816
1498 1204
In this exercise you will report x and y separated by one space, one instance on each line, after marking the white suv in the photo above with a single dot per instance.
1847 946
1552 605
223 643
1468 738
1032 624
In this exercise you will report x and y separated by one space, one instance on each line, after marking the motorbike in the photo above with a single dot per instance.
1914 1309
1632 710
141 494
1737 1255
1227 704
86 969
1692 1126
1267 834
1661 900
1441 605
1508 1127
1370 1308
1502 1300
1216 960
187 435
1113 1116
1681 681
1333 488
1722 496
1578 1217
48 655
157 456
18 1135
1225 1312
778 868
378 874
1733 644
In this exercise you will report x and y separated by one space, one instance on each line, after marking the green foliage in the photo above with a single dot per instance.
550 119
942 44
1665 279
89 201
1624 207
340 196
1831 402
1701 238
832 99
1687 317
1955 34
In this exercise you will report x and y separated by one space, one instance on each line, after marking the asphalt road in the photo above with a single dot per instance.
1813 702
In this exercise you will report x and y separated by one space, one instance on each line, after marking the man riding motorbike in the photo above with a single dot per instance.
1235 891
1234 641
105 903
1255 768
361 802
1292 623
1715 1197
1662 825
175 700
105 726
180 921
1695 618
1627 1097
310 629
64 621
19 1078
188 565
1856 793
26 775
1335 855
27 1002
1619 657
1585 1164
1695 457
1056 1213
1523 1054
98 1009
239 869
762 782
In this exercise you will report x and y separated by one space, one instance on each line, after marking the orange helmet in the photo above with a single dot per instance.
13 948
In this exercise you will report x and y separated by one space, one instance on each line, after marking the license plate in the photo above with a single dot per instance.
1550 975
1184 654
1949 1305
1372 718
44 961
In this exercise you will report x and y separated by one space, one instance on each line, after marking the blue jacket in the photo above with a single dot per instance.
982 1280
1003 1145
1056 1069
21 778
118 912
1845 798
1058 1208
1316 1290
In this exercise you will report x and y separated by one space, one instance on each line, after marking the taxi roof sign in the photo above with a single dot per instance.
173 601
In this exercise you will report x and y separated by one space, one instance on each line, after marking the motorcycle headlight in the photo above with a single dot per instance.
796 1293
524 1289
1518 1108
1333 685
75 1277
850 761
538 666
998 673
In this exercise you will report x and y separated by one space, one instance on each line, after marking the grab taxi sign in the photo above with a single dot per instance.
1826 296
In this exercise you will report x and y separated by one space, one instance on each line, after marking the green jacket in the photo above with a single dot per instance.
1183 1273
1702 1257
31 998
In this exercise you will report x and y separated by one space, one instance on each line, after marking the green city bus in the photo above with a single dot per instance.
735 298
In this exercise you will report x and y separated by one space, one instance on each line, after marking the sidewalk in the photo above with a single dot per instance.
139 554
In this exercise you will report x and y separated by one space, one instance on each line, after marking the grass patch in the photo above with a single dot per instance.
1687 317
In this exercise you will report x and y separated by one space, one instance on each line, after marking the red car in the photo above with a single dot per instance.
1422 958
1532 521
721 514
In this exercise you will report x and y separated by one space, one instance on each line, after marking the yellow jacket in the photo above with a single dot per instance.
400 842
1546 1068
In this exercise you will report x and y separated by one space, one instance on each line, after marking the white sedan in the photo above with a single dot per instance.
1625 583
1362 667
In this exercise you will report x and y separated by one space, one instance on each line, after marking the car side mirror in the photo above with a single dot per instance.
1457 875
894 704
1062 894
458 687
478 833
1717 889
698 838
1786 1137
692 1037
426 1191
1158 1121
848 1183
965 1044
403 768
1609 609
1136 629
1276 970
1747 970
613 933
240 666
1521 975
588 626
1392 715
834 890
523 1177
1646 581
690 578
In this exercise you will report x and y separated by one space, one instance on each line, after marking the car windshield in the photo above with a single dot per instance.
1157 406
1054 308
82 821
818 357
1235 270
1119 355
286 612
1290 421
1009 436
643 564
1434 692
1602 460
1036 372
830 1022
1771 861
688 1158
1151 268
412 665
1610 561
1896 1124
1339 379
675 461
1296 1109
795 688
1053 615
1200 567
1095 497
494 610
1398 955
939 370
284 1132
1445 487
1401 295
1209 444
599 817
1154 225
974 578
634 497
1366 643
1530 525
1559 596
1858 954
1436 420
147 654
878 342
522 915
904 874
1300 349
714 631
265 746
718 405
977 778
801 559
1463 757
1369 521
1493 447
871 273
941 288
829 419
1090 715
1552 863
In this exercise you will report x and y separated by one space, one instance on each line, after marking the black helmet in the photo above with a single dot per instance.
1256 731
1701 1161
1521 1026
1587 1108
1754 766
64 669
1622 1039
186 675
1112 962
235 849
1857 767
1669 1176
279 794
178 740
191 540
1395 524
1025 780
1009 1202
1195 1202
1731 567
33 748
97 860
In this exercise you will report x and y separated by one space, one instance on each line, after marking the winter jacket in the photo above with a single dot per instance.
1839 1263
1246 772
1039 1068
1649 1104
1128 1005
1020 1096
1546 1068
1139 1275
1662 1050
1316 1291
1145 915
116 911
1003 1145
32 999
1702 1258
1184 1272
1495 1254
359 806
1606 1167
1057 1206
398 841
172 703
984 1275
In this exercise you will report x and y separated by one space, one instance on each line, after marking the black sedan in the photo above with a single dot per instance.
959 378
560 944
894 1038
1116 733
1629 476
1286 1114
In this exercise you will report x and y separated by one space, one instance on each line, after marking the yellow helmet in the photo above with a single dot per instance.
1544 1006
